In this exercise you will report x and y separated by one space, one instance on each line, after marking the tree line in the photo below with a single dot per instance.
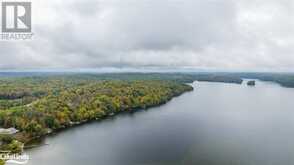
83 102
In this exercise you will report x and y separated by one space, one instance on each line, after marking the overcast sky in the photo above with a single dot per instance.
218 34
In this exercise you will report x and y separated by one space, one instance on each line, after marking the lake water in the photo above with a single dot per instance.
216 124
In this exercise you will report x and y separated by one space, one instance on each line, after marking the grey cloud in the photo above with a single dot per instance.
225 34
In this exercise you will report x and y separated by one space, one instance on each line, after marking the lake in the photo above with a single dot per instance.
216 124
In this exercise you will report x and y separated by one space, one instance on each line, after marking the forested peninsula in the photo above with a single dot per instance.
39 106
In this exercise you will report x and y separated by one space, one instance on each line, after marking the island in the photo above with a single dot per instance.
251 83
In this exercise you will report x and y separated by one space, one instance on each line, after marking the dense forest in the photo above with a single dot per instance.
18 89
37 106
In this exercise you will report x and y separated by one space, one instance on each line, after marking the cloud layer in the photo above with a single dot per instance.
224 34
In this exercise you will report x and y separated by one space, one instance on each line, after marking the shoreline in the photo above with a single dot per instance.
77 124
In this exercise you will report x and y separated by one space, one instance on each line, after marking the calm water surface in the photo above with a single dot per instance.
216 124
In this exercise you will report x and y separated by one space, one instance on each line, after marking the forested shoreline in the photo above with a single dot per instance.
38 109
37 104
